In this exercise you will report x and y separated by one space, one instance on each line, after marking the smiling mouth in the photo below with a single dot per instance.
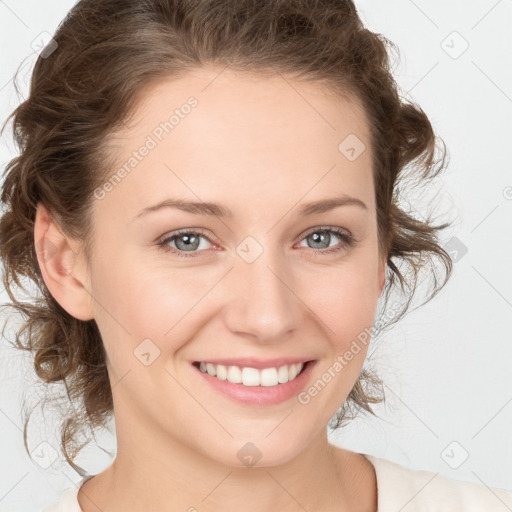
249 376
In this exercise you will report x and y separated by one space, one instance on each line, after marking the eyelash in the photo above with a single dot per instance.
347 241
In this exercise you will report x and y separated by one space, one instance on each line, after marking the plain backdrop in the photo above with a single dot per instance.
447 365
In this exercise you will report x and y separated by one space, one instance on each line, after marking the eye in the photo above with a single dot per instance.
321 237
187 242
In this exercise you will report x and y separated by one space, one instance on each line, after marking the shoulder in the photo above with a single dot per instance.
413 490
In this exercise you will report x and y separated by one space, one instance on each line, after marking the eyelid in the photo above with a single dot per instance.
200 231
335 229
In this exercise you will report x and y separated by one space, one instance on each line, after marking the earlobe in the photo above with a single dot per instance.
62 269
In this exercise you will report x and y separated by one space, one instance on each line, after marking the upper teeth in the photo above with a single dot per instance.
252 376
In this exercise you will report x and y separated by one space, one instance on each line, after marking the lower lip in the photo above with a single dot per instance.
260 395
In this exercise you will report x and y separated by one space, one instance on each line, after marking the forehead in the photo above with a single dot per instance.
214 131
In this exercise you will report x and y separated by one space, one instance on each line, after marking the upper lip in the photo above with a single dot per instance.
252 362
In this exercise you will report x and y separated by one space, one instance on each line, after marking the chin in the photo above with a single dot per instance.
259 452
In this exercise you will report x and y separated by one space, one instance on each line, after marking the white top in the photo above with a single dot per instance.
398 489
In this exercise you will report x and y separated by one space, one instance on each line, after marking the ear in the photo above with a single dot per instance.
62 266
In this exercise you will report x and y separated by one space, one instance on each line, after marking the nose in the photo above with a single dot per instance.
263 304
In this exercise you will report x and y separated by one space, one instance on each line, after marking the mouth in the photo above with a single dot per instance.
255 387
257 375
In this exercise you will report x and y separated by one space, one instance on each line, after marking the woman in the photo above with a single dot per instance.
206 198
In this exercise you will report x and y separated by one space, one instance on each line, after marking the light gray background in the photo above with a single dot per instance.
447 366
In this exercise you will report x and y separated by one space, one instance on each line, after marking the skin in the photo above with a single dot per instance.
262 146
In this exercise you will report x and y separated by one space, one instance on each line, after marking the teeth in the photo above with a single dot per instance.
234 374
252 376
283 375
222 372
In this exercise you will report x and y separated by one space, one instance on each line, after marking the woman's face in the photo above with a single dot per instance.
265 282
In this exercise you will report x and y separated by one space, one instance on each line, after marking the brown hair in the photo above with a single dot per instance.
108 52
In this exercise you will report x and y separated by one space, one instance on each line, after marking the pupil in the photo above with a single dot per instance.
319 238
189 241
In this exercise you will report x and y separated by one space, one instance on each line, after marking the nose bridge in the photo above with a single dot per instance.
265 305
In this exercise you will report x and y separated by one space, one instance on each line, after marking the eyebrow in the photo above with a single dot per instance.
217 210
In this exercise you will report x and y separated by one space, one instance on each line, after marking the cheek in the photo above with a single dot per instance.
343 302
344 299
139 301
